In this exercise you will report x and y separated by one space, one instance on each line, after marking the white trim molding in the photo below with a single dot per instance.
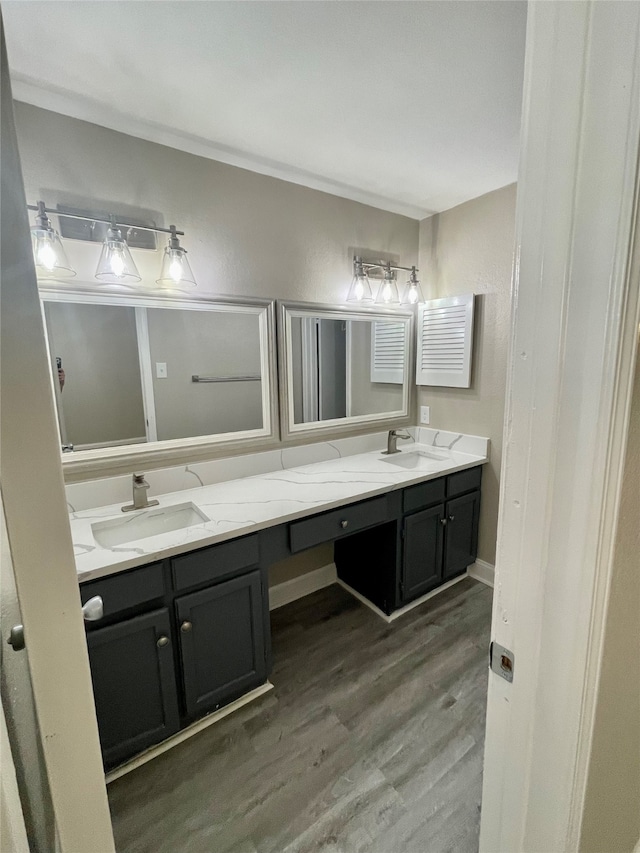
483 572
573 339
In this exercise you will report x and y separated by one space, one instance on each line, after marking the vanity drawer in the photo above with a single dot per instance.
126 590
423 495
464 481
338 522
215 562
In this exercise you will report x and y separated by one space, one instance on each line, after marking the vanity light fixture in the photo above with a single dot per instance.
388 293
48 252
413 292
360 290
115 266
175 270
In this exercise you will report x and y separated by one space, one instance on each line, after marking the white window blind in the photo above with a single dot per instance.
387 352
445 341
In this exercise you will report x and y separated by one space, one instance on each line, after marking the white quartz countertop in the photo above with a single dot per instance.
242 506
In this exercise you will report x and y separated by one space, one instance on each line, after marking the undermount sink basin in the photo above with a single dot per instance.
142 525
414 459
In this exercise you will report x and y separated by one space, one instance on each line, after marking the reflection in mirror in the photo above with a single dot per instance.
98 388
223 351
130 374
343 366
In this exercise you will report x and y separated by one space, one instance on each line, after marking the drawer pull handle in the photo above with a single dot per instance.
162 641
452 518
186 627
93 610
344 524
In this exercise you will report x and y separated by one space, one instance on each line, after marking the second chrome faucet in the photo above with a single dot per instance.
392 441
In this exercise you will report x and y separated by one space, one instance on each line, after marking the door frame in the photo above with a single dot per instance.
576 309
39 535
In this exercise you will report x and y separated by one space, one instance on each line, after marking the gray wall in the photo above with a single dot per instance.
209 344
102 395
247 234
469 249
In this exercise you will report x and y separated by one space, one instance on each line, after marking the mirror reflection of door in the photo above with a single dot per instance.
323 366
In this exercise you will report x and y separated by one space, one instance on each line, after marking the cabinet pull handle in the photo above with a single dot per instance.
186 627
344 524
452 518
93 610
162 641
443 522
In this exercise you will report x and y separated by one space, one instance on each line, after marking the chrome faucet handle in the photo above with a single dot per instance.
139 479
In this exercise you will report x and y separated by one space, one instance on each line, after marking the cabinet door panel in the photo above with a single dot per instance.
422 564
134 685
222 642
462 533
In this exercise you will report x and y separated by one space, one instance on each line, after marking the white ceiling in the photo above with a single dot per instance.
412 107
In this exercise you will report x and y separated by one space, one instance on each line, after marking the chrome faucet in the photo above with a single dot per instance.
392 441
140 488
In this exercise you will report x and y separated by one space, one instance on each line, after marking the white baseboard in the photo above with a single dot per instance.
483 572
284 593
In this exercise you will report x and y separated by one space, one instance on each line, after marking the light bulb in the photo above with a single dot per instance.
412 296
175 270
117 263
358 290
386 292
46 255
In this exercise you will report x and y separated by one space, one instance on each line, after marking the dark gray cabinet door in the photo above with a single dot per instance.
422 563
134 684
222 642
461 547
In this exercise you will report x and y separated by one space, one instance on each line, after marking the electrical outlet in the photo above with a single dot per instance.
424 414
161 369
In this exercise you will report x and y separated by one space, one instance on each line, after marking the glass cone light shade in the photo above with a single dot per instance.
175 270
388 293
49 255
413 292
116 265
360 290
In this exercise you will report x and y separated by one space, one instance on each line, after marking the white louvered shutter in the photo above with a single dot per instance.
387 352
445 341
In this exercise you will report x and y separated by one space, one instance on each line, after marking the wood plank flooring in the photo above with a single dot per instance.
371 741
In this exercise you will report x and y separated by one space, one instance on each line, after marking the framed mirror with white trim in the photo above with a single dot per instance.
147 379
342 369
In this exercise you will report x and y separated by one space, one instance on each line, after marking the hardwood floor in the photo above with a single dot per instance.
371 741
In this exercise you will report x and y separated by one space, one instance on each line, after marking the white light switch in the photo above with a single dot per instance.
424 414
161 369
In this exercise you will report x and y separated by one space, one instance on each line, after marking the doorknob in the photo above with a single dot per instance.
16 638
93 610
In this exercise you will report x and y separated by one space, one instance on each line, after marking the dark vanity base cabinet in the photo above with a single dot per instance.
462 515
222 643
184 636
423 537
134 684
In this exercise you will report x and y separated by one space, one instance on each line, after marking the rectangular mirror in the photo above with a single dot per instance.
341 367
139 375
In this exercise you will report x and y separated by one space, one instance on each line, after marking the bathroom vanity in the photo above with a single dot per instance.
185 628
